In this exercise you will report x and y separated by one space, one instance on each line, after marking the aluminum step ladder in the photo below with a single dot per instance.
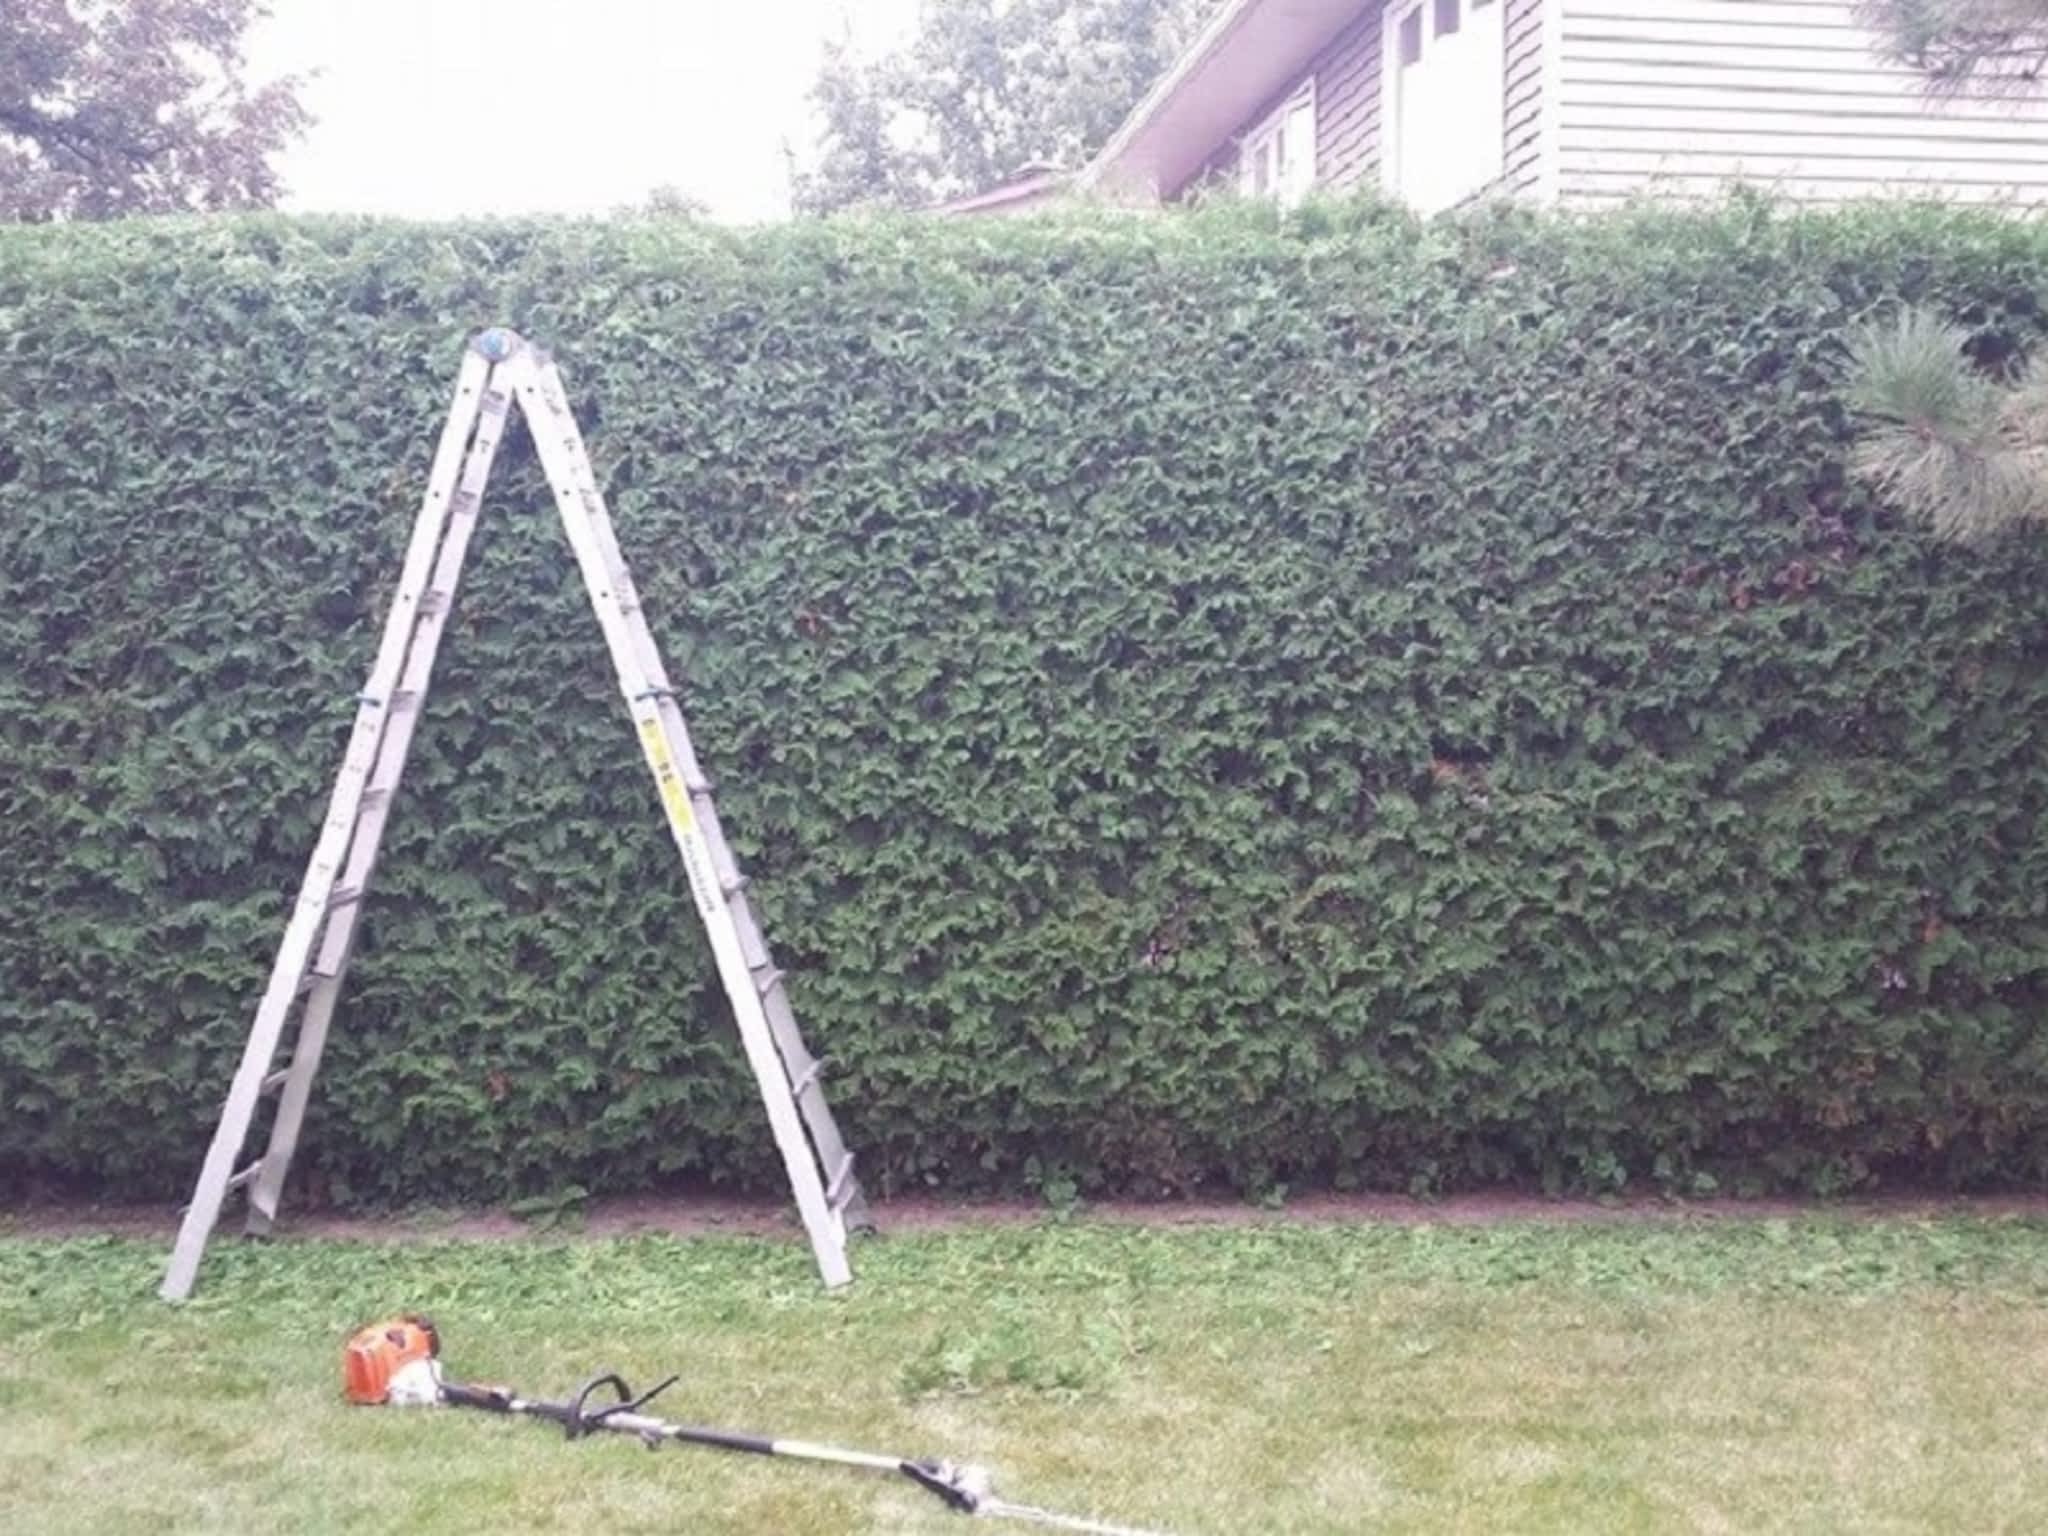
500 371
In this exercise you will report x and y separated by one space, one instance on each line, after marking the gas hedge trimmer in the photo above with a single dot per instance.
397 1364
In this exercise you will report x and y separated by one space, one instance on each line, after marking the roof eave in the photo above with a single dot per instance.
1247 53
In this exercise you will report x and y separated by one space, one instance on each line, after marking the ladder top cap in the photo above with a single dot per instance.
498 343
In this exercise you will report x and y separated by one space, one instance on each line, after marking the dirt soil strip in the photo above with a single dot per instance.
701 1215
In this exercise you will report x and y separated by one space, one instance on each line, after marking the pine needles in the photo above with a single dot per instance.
1945 440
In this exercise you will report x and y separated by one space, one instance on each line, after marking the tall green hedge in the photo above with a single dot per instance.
1205 700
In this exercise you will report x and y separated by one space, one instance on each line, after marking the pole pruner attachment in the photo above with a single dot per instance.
397 1363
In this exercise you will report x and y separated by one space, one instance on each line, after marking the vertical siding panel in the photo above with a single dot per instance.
1681 97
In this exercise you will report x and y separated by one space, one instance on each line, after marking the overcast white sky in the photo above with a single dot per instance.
439 108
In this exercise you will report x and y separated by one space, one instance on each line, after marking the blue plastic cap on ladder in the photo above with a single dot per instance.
497 343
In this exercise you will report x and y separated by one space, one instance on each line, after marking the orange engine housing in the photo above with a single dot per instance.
375 1354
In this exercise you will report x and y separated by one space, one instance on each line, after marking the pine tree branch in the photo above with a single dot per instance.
1946 442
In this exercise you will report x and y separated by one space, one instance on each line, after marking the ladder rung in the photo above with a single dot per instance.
276 1080
767 981
840 1180
811 1075
255 1168
735 885
699 785
345 896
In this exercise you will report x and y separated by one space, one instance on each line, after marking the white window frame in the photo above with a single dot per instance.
1281 131
1431 185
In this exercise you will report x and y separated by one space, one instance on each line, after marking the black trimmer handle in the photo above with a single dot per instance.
490 1399
579 1420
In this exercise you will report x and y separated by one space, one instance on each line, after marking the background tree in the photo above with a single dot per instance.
983 88
669 201
2002 44
135 106
1944 439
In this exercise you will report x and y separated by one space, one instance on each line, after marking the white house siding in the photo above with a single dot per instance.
1348 80
1348 105
1681 97
1522 29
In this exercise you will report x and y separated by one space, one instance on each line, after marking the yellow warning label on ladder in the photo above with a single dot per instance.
675 795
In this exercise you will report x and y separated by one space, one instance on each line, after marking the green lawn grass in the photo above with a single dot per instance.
1814 1375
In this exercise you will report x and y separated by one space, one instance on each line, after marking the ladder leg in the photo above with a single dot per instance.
646 688
217 1175
806 1078
801 1067
337 946
291 1107
805 1074
814 1196
218 1170
802 1071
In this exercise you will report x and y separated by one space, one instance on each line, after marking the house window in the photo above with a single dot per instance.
1278 158
1447 70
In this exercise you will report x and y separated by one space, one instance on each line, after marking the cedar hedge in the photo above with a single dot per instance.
1210 699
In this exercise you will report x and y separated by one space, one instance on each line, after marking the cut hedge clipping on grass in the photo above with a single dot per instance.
1217 700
